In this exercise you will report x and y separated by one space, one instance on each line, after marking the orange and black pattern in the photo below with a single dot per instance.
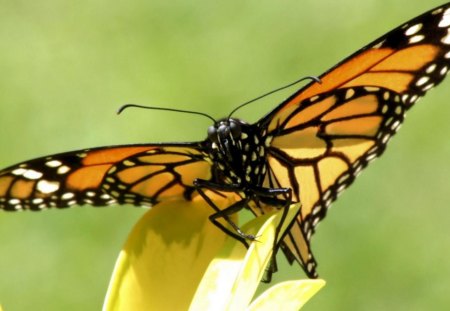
141 175
307 150
326 133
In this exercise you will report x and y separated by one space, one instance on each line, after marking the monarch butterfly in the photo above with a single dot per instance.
308 149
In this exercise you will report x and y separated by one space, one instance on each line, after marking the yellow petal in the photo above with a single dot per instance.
165 257
287 296
167 253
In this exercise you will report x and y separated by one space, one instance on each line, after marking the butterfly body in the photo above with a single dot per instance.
238 151
309 149
240 156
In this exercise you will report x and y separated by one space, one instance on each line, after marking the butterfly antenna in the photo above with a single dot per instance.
316 79
122 108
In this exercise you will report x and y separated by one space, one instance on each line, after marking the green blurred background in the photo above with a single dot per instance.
66 66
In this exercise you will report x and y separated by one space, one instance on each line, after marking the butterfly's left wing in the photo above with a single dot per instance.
141 175
326 133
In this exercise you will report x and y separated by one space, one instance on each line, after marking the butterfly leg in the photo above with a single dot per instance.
237 233
269 196
225 213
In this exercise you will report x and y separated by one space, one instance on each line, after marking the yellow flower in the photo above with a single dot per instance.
176 259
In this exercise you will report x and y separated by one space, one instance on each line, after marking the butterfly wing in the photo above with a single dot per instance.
326 133
129 174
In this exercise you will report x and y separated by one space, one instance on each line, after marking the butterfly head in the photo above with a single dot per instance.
225 130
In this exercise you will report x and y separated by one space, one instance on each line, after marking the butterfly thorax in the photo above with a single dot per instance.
238 153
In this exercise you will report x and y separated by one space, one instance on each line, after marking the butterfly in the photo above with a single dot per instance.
308 149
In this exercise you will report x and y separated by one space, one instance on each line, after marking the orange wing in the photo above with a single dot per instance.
132 174
326 133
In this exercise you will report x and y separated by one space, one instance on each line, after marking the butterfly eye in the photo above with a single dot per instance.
223 130
212 134
235 129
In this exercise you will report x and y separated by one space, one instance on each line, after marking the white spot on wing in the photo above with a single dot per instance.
326 196
32 174
378 45
128 163
385 138
343 179
416 38
37 200
46 186
437 11
371 157
445 21
395 125
63 169
431 68
388 122
413 29
67 196
14 201
342 187
90 194
53 163
105 196
19 171
315 221
428 87
371 88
